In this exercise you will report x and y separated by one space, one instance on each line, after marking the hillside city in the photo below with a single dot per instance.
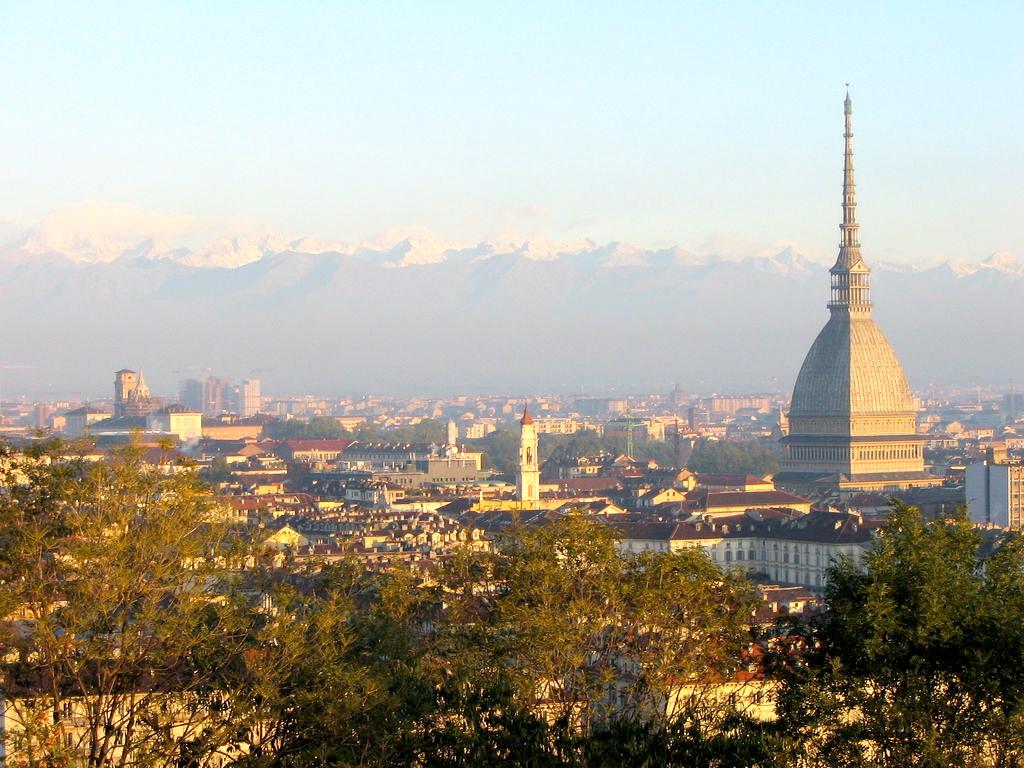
740 496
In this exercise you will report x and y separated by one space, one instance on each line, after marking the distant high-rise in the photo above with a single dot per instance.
852 420
209 396
191 394
249 398
528 473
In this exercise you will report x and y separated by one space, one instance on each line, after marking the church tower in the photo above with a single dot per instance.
528 474
852 419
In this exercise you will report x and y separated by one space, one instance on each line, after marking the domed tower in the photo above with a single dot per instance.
852 420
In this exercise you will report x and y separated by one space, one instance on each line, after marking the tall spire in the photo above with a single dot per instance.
850 288
849 244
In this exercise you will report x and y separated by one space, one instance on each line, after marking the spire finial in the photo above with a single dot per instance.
849 291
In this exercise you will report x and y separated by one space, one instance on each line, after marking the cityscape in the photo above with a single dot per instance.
509 500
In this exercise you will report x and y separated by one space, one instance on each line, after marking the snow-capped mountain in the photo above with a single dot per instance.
416 314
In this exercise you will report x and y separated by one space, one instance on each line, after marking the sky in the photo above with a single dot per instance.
652 123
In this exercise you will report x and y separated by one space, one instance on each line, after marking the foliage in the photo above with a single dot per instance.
218 471
730 457
573 614
315 427
108 568
501 448
426 431
917 662
146 632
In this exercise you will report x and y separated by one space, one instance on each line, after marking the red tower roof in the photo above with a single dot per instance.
527 418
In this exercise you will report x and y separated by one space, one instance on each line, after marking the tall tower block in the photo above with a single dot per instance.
528 475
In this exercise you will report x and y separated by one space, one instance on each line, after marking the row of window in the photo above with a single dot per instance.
837 453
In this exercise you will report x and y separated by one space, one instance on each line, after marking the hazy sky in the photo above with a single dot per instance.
647 122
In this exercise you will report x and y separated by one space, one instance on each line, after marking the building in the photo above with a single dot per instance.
528 473
178 420
705 501
208 396
249 398
630 427
852 419
131 395
719 405
995 491
231 428
312 450
78 421
565 426
780 546
601 406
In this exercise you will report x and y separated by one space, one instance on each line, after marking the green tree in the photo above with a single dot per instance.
109 570
730 457
332 676
912 664
572 614
500 449
317 427
426 431
218 471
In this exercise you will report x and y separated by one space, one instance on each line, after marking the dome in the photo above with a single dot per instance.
851 370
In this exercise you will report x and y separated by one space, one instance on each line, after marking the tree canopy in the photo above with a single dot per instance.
918 659
730 457
143 628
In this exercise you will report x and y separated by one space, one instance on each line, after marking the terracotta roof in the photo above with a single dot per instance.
527 418
313 444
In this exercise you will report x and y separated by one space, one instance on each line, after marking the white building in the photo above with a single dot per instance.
784 547
995 492
249 398
177 420
78 421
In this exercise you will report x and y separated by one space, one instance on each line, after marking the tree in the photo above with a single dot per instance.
145 631
558 650
732 458
500 449
218 471
316 427
572 614
426 431
917 659
110 570
332 675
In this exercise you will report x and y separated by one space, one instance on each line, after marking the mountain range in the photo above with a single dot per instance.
429 316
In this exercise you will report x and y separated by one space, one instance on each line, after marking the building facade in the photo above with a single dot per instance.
131 395
249 398
995 492
178 420
852 419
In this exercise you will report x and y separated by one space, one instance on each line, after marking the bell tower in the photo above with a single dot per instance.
528 473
